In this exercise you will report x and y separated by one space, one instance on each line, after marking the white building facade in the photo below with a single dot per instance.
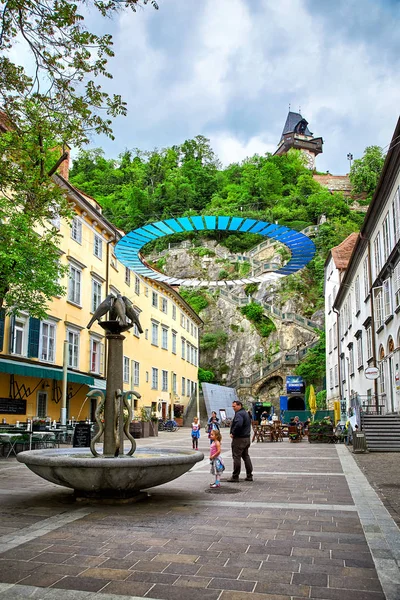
366 305
335 268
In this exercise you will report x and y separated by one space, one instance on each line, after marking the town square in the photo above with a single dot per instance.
199 300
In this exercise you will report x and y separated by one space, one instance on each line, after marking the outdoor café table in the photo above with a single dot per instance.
12 439
267 431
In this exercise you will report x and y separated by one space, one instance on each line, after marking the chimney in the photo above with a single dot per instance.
63 169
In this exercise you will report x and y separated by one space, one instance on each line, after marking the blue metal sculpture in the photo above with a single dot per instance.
128 248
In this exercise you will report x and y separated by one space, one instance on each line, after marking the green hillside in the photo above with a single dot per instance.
140 187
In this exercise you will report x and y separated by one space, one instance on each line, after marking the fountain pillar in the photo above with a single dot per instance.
114 382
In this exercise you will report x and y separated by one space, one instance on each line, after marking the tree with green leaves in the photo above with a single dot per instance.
312 368
365 171
58 103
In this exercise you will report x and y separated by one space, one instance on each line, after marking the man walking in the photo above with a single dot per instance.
240 434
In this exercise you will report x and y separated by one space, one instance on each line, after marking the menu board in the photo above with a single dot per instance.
82 436
8 406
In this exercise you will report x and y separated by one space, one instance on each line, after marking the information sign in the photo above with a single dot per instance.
294 383
8 406
82 436
371 372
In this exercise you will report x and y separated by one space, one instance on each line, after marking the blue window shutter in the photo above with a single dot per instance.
33 339
2 319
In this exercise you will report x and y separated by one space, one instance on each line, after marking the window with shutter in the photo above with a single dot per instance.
396 285
33 338
387 300
379 307
11 334
2 320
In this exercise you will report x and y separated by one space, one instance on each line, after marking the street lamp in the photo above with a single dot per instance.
350 158
261 362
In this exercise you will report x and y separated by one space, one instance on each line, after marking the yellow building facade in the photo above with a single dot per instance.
161 364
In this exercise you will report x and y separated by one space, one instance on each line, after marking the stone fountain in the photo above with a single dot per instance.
111 474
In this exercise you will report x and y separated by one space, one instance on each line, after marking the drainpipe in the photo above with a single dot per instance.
63 412
338 353
373 337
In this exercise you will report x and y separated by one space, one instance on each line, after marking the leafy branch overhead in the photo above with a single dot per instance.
56 103
67 59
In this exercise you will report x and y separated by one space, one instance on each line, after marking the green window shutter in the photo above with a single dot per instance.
12 330
33 339
2 320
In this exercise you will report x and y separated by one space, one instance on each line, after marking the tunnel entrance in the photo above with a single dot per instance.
296 403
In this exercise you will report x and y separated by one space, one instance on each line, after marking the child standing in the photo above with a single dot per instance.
195 433
217 466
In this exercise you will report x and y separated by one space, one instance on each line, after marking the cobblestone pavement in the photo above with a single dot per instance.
382 469
302 529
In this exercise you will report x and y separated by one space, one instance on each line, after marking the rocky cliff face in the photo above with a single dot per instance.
245 351
235 349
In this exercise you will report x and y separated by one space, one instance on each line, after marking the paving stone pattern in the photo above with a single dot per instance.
293 533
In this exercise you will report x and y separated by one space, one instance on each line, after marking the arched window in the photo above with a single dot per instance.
390 345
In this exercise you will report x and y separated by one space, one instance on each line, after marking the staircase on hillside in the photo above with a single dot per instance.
382 432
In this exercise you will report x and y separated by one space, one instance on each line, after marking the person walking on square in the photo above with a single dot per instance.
212 424
217 466
195 433
240 434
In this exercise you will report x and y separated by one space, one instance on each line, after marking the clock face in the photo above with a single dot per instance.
310 160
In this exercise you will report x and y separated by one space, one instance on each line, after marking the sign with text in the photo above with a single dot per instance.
8 406
82 436
294 383
371 372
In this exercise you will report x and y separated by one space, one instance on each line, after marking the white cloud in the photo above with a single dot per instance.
229 149
229 69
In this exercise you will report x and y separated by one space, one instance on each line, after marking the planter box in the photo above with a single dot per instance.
135 429
322 438
145 428
153 429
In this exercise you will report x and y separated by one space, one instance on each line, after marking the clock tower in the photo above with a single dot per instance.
296 135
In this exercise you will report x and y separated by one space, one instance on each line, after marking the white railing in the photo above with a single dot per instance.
242 257
288 317
291 357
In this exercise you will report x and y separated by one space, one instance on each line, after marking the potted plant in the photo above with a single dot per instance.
145 422
38 424
321 431
153 424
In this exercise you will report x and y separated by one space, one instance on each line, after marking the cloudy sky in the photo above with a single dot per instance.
228 69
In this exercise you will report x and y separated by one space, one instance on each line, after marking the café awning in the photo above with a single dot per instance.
15 367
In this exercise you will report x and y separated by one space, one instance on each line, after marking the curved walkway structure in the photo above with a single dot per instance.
128 248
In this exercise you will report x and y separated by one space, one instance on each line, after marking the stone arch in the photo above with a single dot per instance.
381 352
390 345
278 377
272 386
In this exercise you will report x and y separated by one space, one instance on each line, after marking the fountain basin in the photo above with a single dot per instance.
99 477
